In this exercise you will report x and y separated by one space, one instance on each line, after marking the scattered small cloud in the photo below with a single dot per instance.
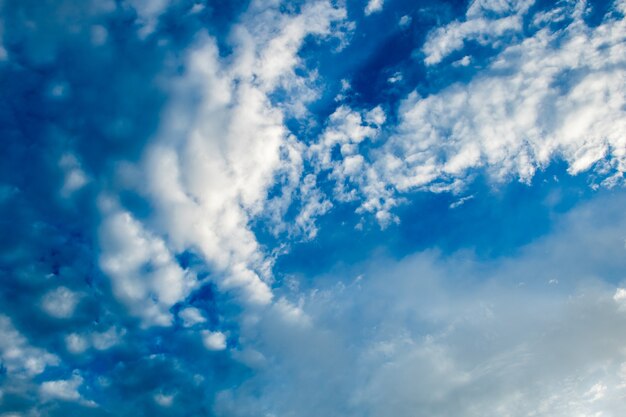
374 6
213 340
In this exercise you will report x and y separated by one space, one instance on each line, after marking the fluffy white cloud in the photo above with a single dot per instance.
354 179
620 298
214 340
18 356
60 302
405 21
148 12
76 343
143 272
374 6
79 343
220 148
191 316
554 96
107 339
62 389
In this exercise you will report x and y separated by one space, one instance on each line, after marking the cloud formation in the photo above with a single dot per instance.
486 21
454 335
215 158
191 196
374 6
556 95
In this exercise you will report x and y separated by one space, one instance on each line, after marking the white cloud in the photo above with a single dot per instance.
75 177
60 302
148 13
556 95
480 7
461 201
213 340
79 343
453 336
106 339
143 272
418 334
63 389
463 62
620 298
191 316
374 6
208 171
620 295
18 356
396 77
355 179
164 400
278 37
76 343
315 204
405 21
479 25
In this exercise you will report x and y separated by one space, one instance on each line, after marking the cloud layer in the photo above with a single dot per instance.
453 335
206 210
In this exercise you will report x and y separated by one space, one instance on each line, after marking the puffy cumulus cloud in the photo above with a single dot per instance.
486 21
148 12
60 302
62 389
143 272
214 340
535 102
191 316
132 143
270 40
68 118
19 358
220 148
374 6
107 339
453 335
338 151
76 343
556 95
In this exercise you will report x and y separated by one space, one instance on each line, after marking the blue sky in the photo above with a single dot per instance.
317 207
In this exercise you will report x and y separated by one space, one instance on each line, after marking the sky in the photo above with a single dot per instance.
266 208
